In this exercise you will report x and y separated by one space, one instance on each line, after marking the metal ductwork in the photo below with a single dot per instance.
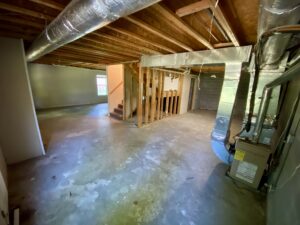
284 78
79 18
274 13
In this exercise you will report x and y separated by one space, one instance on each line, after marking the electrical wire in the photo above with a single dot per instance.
209 40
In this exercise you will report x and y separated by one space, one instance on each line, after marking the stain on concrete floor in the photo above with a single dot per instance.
99 171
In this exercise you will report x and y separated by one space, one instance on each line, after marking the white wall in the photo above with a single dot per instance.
170 84
3 166
19 134
58 86
3 187
115 76
185 94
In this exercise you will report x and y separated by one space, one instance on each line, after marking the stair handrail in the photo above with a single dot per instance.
115 88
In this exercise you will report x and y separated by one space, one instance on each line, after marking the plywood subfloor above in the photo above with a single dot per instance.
170 26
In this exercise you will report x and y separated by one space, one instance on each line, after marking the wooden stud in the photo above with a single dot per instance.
171 102
148 75
159 94
140 98
182 24
192 8
140 38
180 85
175 102
153 96
167 102
131 95
157 32
162 95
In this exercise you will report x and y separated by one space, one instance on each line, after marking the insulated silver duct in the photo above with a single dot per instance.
79 18
274 13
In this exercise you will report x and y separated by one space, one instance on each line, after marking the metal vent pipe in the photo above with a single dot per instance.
274 13
79 18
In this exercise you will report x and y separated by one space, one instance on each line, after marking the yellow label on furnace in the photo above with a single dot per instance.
239 155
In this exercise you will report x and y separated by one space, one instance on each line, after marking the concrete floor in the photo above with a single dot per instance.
99 171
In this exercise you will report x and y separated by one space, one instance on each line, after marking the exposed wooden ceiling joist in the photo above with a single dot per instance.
49 3
24 11
140 38
126 43
217 12
182 25
157 32
193 8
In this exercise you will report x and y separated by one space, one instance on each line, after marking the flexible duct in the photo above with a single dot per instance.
274 13
79 18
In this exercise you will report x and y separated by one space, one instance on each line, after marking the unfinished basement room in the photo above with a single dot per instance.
150 112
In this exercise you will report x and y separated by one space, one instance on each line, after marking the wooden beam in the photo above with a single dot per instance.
140 98
24 11
140 38
223 22
167 13
193 8
127 43
49 3
157 32
153 96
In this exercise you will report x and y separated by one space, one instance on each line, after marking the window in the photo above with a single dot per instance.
101 84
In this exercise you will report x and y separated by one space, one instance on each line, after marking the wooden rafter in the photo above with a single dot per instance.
181 24
23 11
49 3
140 38
157 32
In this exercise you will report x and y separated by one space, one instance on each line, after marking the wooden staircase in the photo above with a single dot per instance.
118 112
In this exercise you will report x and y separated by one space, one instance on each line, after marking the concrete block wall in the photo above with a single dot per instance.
208 96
